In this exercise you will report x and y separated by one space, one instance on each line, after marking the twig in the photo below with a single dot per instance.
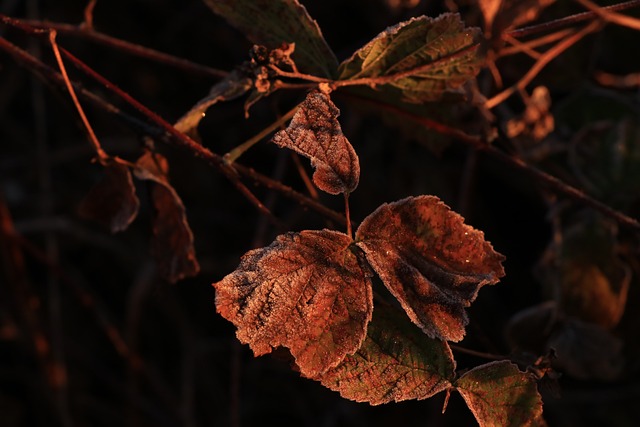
547 57
570 20
36 27
102 155
483 355
611 16
238 151
531 44
552 182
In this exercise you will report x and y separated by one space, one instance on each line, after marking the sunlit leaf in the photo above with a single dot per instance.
112 201
172 243
229 88
273 22
428 57
499 395
431 261
396 362
315 133
307 292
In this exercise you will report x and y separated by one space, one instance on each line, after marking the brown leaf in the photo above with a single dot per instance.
172 243
315 133
431 261
307 292
112 201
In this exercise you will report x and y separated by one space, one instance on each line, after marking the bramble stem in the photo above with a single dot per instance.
238 151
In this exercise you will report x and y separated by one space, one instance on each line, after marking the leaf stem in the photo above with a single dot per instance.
238 151
347 214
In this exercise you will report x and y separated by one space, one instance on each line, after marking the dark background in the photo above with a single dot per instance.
83 286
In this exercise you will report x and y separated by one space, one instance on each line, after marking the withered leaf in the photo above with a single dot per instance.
431 261
112 201
396 362
273 22
315 133
307 292
229 88
172 243
499 395
429 56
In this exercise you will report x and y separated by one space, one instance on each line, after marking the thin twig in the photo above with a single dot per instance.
550 181
570 20
36 27
611 16
531 44
483 355
102 155
547 57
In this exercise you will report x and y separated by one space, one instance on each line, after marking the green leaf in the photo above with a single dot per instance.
272 22
307 292
396 362
423 57
499 395
430 260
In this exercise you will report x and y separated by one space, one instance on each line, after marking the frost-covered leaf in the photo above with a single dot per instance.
172 242
431 261
229 88
273 22
396 362
499 395
112 201
428 56
315 133
307 292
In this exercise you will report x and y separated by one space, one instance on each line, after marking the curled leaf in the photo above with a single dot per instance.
172 243
229 88
500 395
431 261
427 57
315 133
396 362
273 22
307 292
112 201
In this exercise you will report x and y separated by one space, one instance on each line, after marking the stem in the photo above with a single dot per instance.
347 214
238 151
480 354
86 32
102 155
570 20
547 57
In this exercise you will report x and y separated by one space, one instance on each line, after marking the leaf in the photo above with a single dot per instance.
396 362
431 261
428 56
112 201
500 395
172 243
273 22
315 133
231 87
307 292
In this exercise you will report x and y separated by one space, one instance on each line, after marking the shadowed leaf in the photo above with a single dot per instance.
429 57
112 201
499 395
315 133
172 243
273 22
307 292
231 87
431 261
396 362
